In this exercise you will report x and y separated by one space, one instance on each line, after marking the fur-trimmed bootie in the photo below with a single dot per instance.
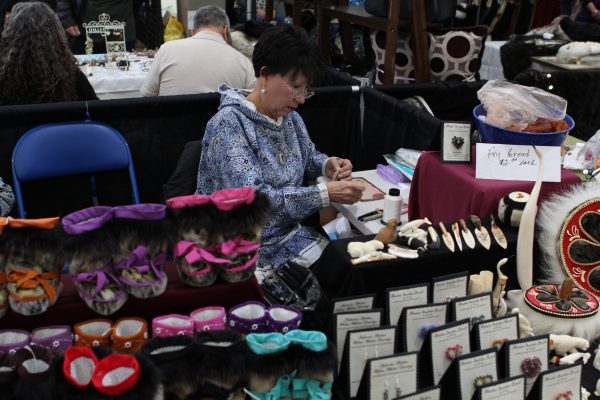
197 263
316 363
8 368
174 357
236 225
32 263
89 247
222 354
126 377
143 237
36 379
270 368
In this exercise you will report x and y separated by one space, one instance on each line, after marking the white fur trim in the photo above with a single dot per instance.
128 327
551 218
117 376
81 369
98 328
250 311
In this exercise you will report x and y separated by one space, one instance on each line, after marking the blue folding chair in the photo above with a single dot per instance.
69 148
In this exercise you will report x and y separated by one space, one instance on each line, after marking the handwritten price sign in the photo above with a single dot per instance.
516 163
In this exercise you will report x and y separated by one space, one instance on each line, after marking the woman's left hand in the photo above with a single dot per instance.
338 169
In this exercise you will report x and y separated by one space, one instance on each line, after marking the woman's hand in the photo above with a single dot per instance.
345 192
338 169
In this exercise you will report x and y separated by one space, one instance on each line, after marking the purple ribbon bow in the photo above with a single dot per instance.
138 259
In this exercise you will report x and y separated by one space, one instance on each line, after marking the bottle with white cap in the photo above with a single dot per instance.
392 206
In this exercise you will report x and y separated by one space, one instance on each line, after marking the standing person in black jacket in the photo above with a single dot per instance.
73 13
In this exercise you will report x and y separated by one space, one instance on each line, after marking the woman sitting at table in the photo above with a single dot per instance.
259 140
588 11
36 64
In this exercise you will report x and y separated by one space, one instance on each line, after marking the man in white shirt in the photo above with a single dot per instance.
199 64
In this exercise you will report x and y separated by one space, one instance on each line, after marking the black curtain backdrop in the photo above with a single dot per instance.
157 130
390 123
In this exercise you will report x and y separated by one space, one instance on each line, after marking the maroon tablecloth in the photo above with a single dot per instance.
178 298
447 192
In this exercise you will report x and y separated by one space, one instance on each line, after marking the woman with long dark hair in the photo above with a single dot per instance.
36 64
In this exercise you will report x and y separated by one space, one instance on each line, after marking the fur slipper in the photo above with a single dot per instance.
196 261
3 291
222 354
209 318
173 356
89 247
316 362
238 216
8 367
283 319
126 377
248 317
143 238
32 264
35 372
55 338
93 333
172 325
12 340
129 335
267 363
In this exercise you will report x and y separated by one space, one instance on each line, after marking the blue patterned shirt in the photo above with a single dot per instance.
7 199
242 147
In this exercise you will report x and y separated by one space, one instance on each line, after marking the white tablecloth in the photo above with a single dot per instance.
110 82
491 65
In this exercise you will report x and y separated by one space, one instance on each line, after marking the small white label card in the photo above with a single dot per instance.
563 383
506 389
447 287
456 142
495 332
528 356
356 303
405 296
427 394
364 345
352 321
447 343
475 308
476 369
417 320
393 376
510 162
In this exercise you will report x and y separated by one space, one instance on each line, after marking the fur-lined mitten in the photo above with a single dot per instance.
209 318
236 225
30 248
143 238
55 338
197 264
248 317
89 248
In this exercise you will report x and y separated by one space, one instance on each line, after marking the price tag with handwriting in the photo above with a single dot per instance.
516 162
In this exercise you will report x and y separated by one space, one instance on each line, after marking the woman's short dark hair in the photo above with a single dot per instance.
286 48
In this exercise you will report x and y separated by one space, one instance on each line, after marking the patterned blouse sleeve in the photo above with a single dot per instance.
315 159
228 159
7 199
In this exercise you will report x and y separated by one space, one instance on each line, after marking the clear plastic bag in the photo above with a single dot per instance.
590 153
511 104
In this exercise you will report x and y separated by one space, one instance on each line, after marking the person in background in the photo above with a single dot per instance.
199 64
244 36
36 65
258 140
7 198
73 13
589 11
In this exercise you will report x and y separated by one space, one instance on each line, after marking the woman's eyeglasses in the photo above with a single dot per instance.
297 93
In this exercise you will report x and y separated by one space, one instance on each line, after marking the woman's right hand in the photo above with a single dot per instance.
345 192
